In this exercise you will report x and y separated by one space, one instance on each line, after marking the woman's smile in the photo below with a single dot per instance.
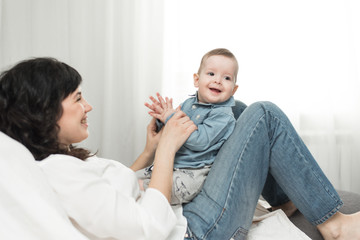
75 109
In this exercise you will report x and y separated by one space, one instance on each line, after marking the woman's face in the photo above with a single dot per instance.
73 122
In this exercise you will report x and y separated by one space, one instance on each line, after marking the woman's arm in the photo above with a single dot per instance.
102 197
147 156
174 134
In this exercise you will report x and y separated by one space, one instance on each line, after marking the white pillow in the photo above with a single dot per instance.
29 208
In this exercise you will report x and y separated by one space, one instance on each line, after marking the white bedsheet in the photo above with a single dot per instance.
275 225
29 208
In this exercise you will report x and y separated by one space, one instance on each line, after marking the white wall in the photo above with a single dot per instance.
302 55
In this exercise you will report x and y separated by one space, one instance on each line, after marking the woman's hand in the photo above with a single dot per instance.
152 140
152 137
175 133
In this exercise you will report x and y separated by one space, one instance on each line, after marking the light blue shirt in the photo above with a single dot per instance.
215 123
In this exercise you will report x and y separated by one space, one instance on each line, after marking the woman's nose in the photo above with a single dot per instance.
87 107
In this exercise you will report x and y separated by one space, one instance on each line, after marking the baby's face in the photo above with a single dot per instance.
216 81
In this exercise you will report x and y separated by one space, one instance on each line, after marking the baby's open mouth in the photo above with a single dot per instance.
215 90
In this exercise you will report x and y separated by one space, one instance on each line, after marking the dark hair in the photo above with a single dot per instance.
31 94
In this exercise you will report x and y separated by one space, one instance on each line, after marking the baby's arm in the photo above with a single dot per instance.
216 128
160 108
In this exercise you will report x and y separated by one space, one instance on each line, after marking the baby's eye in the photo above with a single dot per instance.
211 74
227 78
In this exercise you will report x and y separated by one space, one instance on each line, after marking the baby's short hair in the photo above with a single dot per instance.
220 52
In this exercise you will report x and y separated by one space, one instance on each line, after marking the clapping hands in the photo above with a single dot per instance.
161 108
178 128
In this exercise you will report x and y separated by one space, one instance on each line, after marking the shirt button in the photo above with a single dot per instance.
193 107
197 117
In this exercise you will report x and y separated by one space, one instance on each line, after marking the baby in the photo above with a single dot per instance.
210 109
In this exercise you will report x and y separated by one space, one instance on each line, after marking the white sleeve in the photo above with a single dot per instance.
96 195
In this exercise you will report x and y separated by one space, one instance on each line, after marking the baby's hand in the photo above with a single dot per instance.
160 108
156 105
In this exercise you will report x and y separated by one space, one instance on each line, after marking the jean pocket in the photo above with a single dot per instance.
240 234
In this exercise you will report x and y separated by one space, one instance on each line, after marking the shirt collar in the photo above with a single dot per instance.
228 103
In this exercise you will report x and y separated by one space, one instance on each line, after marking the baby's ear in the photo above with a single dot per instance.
196 80
235 89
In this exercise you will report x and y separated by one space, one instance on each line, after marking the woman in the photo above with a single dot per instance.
41 106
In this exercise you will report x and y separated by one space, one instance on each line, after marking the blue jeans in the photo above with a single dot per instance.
264 155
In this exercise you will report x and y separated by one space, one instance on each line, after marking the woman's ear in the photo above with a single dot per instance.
196 80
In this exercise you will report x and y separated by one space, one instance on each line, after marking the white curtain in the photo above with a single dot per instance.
302 55
115 45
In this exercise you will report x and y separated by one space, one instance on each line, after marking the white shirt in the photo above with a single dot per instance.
103 200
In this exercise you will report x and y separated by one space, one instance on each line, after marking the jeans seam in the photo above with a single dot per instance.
320 180
317 176
205 220
215 223
328 215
